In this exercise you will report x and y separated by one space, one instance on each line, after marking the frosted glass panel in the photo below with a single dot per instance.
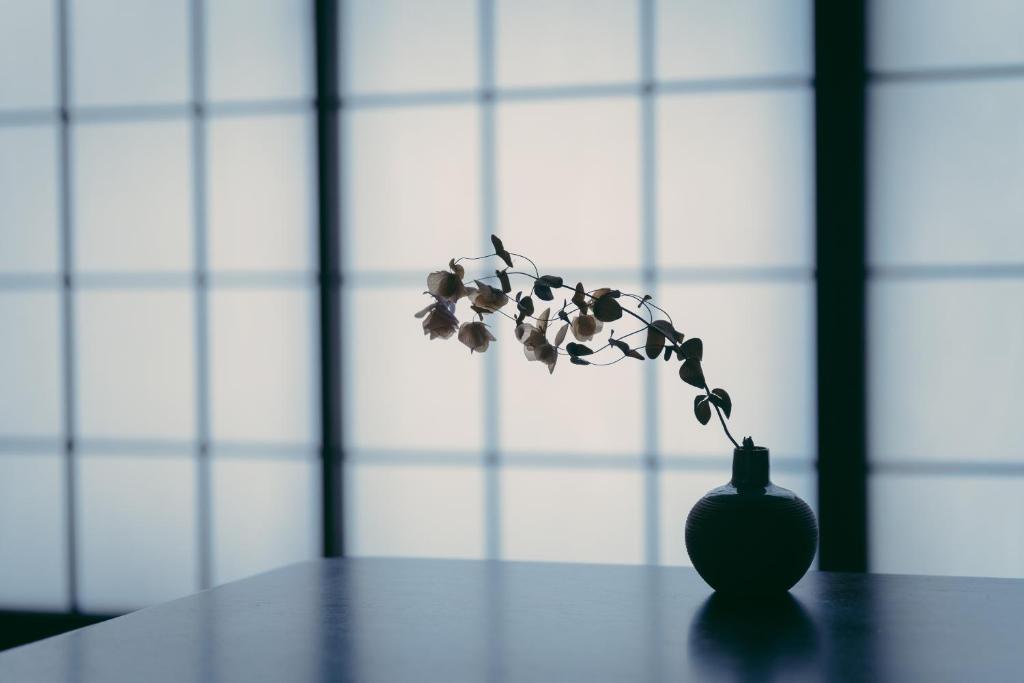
413 186
601 521
735 179
31 365
911 34
129 53
759 346
261 197
576 409
947 165
568 181
259 49
946 369
409 45
725 38
263 356
414 511
954 525
404 391
32 534
135 372
570 42
28 73
133 196
266 513
28 199
136 517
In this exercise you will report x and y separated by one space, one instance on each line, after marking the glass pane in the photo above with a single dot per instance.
136 517
262 212
577 410
28 200
568 181
259 49
132 196
736 179
414 511
412 186
31 364
946 173
572 515
946 369
129 53
28 72
33 557
941 524
263 356
396 45
404 391
758 345
266 513
912 34
135 371
566 42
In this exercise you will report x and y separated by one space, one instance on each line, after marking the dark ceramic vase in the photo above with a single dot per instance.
751 537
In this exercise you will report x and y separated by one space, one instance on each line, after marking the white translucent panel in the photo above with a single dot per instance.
263 360
31 364
259 49
132 196
412 191
566 42
576 409
261 200
400 511
409 45
943 524
946 168
913 34
136 530
28 72
568 181
947 364
266 513
758 346
736 179
572 515
729 38
135 363
28 200
679 491
403 390
33 557
129 53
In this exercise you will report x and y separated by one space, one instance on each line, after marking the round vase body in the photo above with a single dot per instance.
751 537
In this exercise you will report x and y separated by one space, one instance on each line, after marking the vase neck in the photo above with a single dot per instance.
750 468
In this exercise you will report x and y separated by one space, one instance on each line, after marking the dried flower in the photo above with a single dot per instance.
447 284
440 320
584 327
476 336
486 297
535 343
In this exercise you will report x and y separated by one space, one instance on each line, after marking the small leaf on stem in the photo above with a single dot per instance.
607 309
702 409
506 285
720 398
575 349
693 349
691 373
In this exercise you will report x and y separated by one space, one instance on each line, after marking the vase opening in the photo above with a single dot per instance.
750 468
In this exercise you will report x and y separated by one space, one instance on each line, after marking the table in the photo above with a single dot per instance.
451 621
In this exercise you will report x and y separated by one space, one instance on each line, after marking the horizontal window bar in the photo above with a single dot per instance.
954 468
955 73
947 271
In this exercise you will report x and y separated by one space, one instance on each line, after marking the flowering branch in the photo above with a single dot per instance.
584 314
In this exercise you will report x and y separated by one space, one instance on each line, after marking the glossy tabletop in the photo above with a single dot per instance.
440 620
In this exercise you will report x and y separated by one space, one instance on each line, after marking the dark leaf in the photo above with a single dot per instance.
624 347
702 409
655 343
607 309
550 280
668 353
633 353
521 317
647 297
580 298
665 327
576 360
691 373
693 349
542 291
575 349
526 305
721 399
498 244
506 285
499 249
562 315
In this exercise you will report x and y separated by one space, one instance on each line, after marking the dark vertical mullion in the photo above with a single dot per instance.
839 55
67 306
203 491
329 215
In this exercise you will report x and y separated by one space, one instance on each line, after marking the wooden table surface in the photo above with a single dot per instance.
451 621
